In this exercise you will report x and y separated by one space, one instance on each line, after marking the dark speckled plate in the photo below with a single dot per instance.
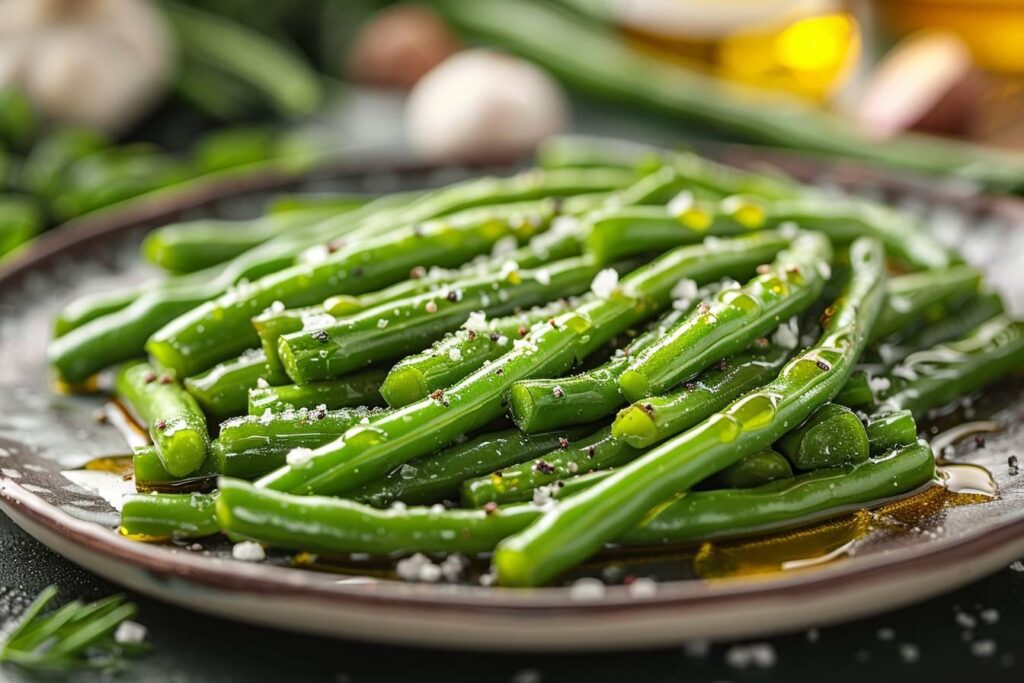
864 563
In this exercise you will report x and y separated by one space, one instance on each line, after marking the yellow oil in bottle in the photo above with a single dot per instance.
805 47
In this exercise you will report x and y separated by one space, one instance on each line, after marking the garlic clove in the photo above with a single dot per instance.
482 105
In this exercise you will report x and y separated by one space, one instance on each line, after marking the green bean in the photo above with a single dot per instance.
333 525
936 377
542 404
521 480
787 503
478 342
857 393
696 172
252 445
638 426
393 330
619 232
891 431
159 516
754 470
910 296
371 451
581 525
654 419
176 423
278 321
150 474
732 320
223 390
433 478
20 220
199 244
398 242
961 320
350 391
831 436
220 328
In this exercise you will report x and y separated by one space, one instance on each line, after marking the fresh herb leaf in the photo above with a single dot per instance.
74 636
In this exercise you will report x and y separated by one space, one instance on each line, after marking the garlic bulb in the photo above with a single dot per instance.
483 105
93 62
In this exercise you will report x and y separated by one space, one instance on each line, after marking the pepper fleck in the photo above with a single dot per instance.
322 336
490 508
161 424
823 365
563 442
149 377
544 467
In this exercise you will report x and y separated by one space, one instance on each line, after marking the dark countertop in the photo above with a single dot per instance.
195 648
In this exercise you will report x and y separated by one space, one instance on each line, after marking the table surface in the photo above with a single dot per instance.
977 630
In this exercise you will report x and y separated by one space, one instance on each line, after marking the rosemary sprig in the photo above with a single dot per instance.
77 635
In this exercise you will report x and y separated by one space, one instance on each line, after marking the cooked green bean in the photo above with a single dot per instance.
176 423
223 390
252 445
890 431
220 327
477 342
732 320
150 474
936 377
392 330
358 389
754 470
656 418
417 429
334 525
831 436
437 477
578 527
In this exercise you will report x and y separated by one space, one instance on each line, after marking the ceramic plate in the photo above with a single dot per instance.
866 562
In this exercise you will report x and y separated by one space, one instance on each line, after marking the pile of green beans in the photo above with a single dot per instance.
635 347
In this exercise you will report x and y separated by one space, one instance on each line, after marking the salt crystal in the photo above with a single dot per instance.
543 276
129 632
786 335
757 655
587 589
382 323
248 551
684 293
983 648
910 653
604 283
455 354
643 587
477 322
505 246
989 616
299 457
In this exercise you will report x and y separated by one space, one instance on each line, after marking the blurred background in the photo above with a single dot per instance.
104 102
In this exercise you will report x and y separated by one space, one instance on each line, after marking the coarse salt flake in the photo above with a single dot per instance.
299 457
605 283
248 551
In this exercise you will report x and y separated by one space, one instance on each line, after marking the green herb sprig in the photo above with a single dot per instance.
75 636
